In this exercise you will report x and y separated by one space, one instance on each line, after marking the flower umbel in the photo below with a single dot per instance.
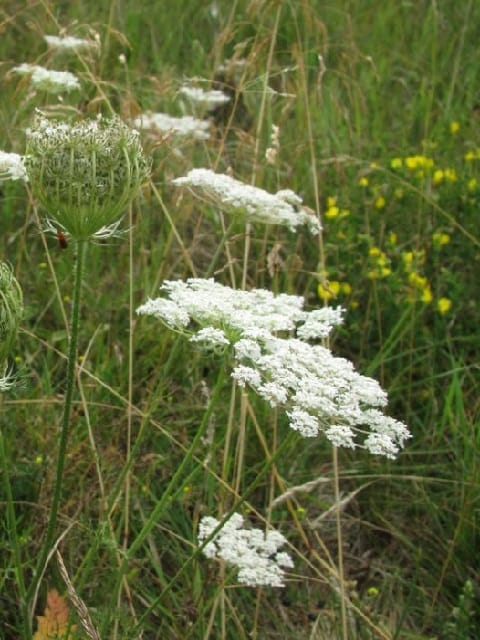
12 167
284 208
321 393
182 127
85 174
49 80
254 552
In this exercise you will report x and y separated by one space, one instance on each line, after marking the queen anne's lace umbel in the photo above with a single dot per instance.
182 127
266 336
253 551
12 167
235 197
49 80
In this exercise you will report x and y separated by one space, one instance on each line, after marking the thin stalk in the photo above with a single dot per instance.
338 521
65 428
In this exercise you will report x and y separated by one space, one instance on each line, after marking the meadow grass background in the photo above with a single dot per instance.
378 110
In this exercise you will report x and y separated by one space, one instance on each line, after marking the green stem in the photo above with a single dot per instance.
67 410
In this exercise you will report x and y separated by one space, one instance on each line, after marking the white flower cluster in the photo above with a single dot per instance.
284 207
320 392
185 126
70 43
12 167
253 551
49 80
204 99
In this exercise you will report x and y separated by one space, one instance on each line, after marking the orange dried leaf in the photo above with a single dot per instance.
54 624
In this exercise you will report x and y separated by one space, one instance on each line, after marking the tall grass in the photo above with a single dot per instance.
158 438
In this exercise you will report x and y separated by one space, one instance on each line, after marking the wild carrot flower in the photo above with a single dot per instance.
49 80
70 44
11 311
202 98
85 174
257 205
254 552
266 337
12 167
184 126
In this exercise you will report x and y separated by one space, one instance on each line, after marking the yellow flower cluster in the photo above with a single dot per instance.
444 175
331 289
333 210
379 264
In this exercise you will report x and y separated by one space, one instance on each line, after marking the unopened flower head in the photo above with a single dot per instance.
49 80
12 167
267 337
284 208
85 174
254 552
182 127
11 311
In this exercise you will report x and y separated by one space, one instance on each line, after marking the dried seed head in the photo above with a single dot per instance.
85 174
11 310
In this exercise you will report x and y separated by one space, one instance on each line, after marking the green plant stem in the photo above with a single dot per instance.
338 521
62 448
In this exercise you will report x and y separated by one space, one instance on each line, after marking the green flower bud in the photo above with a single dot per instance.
85 174
11 311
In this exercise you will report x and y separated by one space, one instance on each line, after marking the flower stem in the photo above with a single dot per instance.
338 520
62 448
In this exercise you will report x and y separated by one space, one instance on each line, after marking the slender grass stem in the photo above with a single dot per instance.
65 428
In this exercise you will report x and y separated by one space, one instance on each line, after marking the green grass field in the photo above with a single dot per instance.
370 112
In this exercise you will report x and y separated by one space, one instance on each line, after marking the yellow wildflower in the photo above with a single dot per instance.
454 127
443 305
438 176
396 163
331 201
472 184
450 175
328 290
440 239
380 202
332 212
363 181
426 296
